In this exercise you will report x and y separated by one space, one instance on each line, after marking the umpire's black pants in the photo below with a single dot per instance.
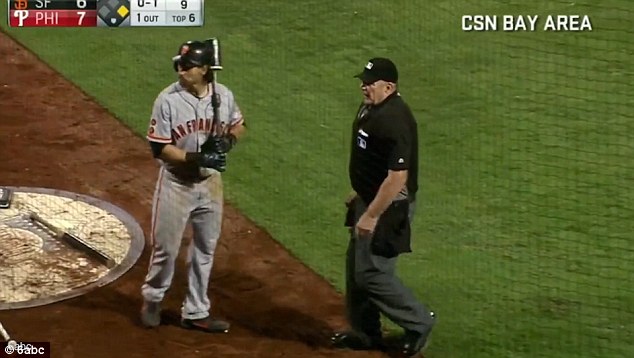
373 288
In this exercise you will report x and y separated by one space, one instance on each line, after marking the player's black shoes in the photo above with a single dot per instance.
208 325
151 314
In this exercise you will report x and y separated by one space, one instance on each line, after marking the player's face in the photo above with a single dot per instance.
375 92
191 75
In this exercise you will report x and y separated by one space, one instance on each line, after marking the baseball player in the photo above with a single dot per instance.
189 186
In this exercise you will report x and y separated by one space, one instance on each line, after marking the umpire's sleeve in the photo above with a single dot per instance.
400 141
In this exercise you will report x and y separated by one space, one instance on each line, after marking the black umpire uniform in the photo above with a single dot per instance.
384 137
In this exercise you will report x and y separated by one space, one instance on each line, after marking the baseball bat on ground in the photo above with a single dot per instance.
75 242
6 337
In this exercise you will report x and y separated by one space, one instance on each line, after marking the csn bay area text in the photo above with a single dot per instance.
528 23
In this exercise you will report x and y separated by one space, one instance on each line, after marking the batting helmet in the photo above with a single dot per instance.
193 54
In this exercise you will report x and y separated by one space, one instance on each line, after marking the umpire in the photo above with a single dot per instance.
383 172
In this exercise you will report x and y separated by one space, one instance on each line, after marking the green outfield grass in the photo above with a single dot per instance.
523 237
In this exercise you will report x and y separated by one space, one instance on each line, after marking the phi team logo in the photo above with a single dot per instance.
21 15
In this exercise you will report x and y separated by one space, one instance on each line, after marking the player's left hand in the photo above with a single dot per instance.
365 226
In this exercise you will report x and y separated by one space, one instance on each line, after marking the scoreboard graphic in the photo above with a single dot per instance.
106 13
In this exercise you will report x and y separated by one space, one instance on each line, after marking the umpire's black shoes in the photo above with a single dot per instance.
414 343
208 325
357 342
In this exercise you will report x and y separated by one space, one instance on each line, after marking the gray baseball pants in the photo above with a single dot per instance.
372 287
176 203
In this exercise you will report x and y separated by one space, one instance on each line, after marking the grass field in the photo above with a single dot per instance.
523 239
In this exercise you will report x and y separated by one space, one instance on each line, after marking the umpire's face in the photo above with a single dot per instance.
192 75
376 92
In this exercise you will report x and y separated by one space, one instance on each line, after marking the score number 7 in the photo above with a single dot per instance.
81 17
81 4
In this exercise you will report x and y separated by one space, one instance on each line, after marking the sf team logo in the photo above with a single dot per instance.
20 4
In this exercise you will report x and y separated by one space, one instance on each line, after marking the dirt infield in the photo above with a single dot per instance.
54 136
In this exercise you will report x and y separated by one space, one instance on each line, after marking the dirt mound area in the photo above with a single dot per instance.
54 136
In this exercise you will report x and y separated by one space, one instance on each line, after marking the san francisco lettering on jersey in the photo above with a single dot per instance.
189 127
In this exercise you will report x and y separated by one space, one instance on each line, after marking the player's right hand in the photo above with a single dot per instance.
214 160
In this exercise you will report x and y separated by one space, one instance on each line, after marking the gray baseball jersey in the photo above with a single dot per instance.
181 119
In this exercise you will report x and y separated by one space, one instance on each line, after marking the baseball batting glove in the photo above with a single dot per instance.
213 160
221 144
226 143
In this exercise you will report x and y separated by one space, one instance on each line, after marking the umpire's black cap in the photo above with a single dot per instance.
379 68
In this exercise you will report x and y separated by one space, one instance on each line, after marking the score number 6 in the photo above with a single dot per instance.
81 4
